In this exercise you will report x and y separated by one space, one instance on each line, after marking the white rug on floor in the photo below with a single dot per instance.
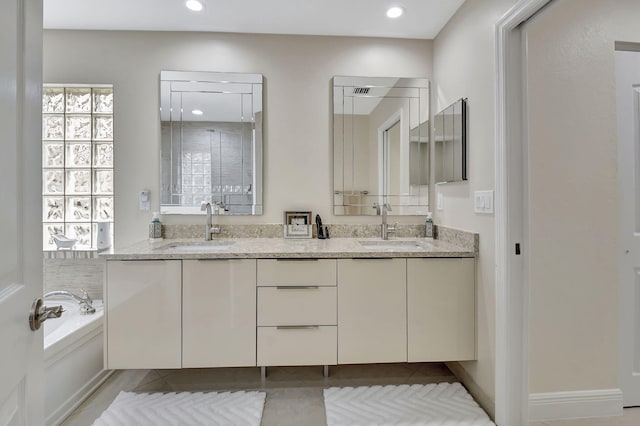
434 404
184 409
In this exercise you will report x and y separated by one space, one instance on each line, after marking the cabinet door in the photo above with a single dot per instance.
441 309
372 321
143 324
219 313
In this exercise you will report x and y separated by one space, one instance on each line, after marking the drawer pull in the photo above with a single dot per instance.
142 260
298 327
215 259
297 259
297 287
374 258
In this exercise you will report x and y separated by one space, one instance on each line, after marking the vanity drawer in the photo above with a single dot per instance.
289 305
296 272
297 346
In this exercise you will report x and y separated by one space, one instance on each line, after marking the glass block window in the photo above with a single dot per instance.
77 162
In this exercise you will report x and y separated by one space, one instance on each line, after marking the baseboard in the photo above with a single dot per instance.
58 416
575 404
483 400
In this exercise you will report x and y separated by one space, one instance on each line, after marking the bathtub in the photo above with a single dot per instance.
73 358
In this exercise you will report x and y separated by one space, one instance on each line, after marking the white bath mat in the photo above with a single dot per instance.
434 404
184 409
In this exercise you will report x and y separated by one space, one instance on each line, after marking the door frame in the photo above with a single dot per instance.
512 193
625 313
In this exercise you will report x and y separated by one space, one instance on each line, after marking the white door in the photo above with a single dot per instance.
628 111
21 377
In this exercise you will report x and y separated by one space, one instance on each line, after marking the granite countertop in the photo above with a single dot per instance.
288 248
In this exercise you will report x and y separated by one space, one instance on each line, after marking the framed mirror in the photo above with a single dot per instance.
380 145
450 140
211 142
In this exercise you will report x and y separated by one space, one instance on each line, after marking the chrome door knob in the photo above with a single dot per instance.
40 313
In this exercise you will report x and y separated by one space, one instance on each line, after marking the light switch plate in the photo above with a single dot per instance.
145 200
439 201
483 202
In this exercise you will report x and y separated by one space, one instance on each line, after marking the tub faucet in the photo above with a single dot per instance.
209 227
385 229
85 301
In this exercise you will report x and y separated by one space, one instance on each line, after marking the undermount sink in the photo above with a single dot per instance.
391 245
204 246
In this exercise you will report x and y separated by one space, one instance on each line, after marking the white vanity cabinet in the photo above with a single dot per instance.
441 304
143 314
237 312
218 313
297 312
372 313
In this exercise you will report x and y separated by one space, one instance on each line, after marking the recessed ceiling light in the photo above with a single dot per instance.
194 5
395 12
196 112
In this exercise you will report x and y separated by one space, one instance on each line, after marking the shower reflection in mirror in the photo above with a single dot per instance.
211 141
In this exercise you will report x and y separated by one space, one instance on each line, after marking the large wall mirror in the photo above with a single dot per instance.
380 145
450 140
211 142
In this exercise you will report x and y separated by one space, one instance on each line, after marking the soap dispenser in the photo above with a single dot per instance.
428 226
155 227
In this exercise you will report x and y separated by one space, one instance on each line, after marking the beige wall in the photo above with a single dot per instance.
573 180
573 192
463 57
297 71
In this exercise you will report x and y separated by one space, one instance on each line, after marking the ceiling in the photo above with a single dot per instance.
423 19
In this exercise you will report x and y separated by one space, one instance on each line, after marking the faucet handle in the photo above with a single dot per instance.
85 296
86 305
393 228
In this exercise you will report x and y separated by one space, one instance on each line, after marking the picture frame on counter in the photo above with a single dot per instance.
297 224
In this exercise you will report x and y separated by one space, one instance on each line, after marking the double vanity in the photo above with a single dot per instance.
234 302
271 302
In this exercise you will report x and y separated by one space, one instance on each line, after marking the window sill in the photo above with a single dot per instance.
71 254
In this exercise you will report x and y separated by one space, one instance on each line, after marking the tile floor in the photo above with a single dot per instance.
294 394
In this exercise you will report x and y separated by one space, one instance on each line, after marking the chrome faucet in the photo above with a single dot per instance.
209 227
85 301
385 229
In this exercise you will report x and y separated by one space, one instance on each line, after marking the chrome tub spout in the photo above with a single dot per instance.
84 301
